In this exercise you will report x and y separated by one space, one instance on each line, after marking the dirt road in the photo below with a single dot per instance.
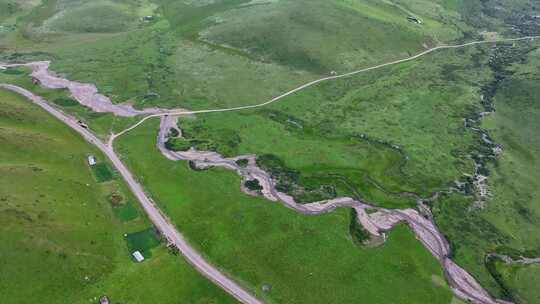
161 222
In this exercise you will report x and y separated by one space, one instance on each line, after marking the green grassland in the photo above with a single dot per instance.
419 107
126 212
304 259
102 172
511 217
227 52
391 131
355 33
80 16
61 242
515 204
514 207
522 279
375 136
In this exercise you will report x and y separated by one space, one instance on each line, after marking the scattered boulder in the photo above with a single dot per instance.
104 300
266 287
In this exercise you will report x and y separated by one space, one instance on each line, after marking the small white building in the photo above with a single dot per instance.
91 160
138 256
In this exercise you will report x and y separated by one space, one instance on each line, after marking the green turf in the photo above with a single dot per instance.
8 8
65 102
511 217
368 32
179 144
102 172
514 205
165 279
61 240
39 14
12 72
364 133
202 54
522 280
304 259
126 212
374 136
96 16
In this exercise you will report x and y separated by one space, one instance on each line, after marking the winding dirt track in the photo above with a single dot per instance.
314 82
462 283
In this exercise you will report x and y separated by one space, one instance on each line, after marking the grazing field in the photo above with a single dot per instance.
60 239
126 212
337 141
102 172
376 135
510 218
515 204
301 259
201 54
388 136
93 17
355 33
522 280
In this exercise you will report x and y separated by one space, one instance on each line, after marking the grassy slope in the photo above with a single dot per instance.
417 106
199 72
55 216
355 33
81 18
522 280
304 259
511 218
515 206
340 160
182 69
